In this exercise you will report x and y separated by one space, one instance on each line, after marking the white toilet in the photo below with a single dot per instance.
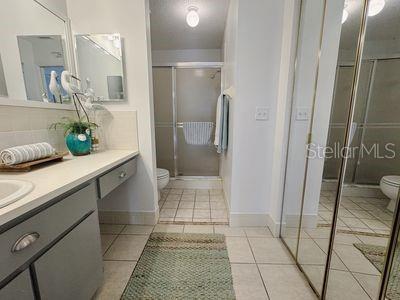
390 187
162 180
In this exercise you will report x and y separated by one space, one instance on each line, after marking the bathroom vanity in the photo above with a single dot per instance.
50 240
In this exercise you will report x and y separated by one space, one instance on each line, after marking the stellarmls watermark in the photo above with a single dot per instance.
376 151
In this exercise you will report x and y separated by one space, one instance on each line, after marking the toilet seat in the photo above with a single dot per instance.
392 180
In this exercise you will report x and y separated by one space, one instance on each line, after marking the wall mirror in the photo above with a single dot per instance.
34 46
100 65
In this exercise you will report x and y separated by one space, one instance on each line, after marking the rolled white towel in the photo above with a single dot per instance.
20 154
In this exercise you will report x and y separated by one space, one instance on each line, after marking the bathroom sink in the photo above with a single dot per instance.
13 190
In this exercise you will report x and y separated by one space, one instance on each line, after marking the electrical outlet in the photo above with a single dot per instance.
262 113
302 114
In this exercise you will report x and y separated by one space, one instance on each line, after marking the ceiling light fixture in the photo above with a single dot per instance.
375 7
344 16
192 17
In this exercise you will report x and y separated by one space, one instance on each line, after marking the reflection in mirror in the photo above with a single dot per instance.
40 56
100 64
3 85
372 178
39 37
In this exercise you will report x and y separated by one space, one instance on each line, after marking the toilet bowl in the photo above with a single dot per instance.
162 180
390 187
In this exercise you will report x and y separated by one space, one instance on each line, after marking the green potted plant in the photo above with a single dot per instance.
77 135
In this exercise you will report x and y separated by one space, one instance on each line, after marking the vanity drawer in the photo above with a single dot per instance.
114 178
41 229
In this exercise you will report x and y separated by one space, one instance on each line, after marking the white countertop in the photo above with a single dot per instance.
56 179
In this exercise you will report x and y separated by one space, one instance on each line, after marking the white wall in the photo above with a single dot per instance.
253 54
58 6
160 57
131 20
228 80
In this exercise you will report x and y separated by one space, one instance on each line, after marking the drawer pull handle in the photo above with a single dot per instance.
122 175
25 241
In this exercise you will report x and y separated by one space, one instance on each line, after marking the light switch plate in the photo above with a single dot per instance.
262 113
302 114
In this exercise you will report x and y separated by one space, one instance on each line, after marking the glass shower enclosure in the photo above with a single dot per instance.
185 93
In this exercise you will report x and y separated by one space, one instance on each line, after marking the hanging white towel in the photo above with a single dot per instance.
218 121
222 126
197 133
20 154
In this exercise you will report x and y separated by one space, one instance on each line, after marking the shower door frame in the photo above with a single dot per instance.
184 65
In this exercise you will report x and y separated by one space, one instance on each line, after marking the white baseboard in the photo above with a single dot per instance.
126 217
273 226
243 220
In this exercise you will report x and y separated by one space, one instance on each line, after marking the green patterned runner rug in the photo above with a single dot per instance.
182 266
376 255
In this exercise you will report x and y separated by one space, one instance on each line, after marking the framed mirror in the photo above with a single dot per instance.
34 46
100 65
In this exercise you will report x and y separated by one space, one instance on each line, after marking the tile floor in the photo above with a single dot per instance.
361 219
197 206
365 214
261 266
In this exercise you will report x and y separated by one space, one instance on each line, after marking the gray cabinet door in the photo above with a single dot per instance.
20 288
73 268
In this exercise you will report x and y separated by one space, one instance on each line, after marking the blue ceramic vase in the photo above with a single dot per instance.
79 144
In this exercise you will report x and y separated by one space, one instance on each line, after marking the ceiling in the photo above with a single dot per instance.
169 30
383 26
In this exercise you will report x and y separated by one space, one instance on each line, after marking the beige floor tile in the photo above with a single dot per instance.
370 283
218 205
202 198
184 213
126 247
175 191
202 205
375 224
257 232
361 214
189 192
198 229
216 192
220 220
116 276
372 240
217 198
202 221
310 253
186 204
229 231
173 197
170 204
216 214
137 229
354 222
316 276
106 241
270 250
239 250
167 212
168 228
185 220
319 233
247 282
111 228
202 192
188 197
201 214
285 282
354 260
342 285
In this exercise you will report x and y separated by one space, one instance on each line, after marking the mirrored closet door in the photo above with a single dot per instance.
340 202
